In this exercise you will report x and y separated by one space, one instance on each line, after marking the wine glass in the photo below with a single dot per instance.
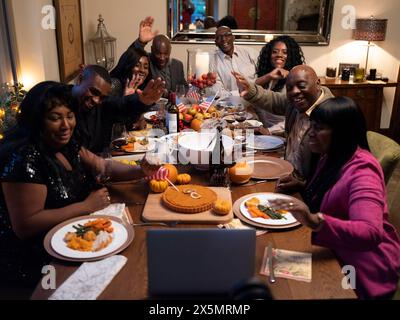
119 135
240 115
180 91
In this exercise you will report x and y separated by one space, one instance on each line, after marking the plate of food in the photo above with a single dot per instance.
172 139
132 159
264 142
138 145
230 118
88 238
255 209
150 115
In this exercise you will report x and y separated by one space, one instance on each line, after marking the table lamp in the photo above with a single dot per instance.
370 30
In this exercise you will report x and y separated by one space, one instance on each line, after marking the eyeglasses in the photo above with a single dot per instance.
224 35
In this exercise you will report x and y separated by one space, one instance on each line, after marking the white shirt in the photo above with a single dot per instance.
243 61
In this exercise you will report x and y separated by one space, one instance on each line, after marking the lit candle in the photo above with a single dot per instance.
202 63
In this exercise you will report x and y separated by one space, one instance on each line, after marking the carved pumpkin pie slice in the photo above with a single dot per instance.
190 198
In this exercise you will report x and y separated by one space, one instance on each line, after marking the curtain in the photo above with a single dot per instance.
7 62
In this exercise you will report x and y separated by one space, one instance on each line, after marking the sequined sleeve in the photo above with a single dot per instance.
24 167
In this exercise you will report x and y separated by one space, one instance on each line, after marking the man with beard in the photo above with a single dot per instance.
303 94
98 111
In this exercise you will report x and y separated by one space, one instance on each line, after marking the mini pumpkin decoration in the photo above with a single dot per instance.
158 186
183 178
222 207
173 172
240 173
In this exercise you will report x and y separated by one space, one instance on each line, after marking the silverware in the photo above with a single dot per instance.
212 140
254 183
270 260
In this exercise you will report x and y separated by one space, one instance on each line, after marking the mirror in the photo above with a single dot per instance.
259 21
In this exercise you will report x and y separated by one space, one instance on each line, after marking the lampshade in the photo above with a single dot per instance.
370 29
103 46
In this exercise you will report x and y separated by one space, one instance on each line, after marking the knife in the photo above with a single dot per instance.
270 259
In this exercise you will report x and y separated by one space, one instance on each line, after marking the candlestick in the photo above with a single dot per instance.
202 63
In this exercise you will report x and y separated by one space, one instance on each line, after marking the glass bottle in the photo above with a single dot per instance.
218 170
172 116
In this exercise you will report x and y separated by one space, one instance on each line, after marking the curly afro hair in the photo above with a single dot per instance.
295 57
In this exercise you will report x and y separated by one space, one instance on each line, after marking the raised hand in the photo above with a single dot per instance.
131 86
146 34
153 91
278 74
242 83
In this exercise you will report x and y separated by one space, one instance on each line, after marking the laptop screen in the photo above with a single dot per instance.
199 261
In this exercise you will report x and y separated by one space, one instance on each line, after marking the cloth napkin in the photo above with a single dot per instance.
90 280
289 264
114 210
237 224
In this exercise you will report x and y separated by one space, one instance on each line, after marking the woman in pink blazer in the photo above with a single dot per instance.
346 200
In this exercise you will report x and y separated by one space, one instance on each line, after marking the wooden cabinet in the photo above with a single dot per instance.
369 96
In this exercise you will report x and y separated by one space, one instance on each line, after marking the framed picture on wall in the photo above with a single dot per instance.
69 38
351 66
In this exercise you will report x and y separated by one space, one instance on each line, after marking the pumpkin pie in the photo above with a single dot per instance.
189 199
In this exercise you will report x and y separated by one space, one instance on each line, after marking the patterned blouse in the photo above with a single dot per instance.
21 261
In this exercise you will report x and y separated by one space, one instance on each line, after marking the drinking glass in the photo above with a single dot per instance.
119 135
180 91
240 115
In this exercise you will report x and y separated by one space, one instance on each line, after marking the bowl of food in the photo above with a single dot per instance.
196 147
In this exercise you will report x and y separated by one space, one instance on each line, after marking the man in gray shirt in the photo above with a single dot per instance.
303 94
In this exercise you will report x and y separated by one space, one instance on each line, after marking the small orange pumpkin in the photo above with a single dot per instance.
222 207
158 186
173 172
183 178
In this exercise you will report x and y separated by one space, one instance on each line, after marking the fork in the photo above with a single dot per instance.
254 183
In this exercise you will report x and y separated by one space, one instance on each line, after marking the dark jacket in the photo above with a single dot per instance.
93 128
172 74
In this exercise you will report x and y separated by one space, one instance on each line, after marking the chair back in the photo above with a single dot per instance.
386 151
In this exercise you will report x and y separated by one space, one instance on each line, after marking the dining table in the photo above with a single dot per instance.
131 283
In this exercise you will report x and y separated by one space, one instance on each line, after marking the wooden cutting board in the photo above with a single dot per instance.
155 211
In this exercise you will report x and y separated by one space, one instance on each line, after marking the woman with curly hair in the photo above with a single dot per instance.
275 61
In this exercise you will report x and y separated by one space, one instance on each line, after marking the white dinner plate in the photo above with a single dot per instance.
149 114
264 197
172 139
264 142
120 236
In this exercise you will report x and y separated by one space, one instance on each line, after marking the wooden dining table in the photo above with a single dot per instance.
131 283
